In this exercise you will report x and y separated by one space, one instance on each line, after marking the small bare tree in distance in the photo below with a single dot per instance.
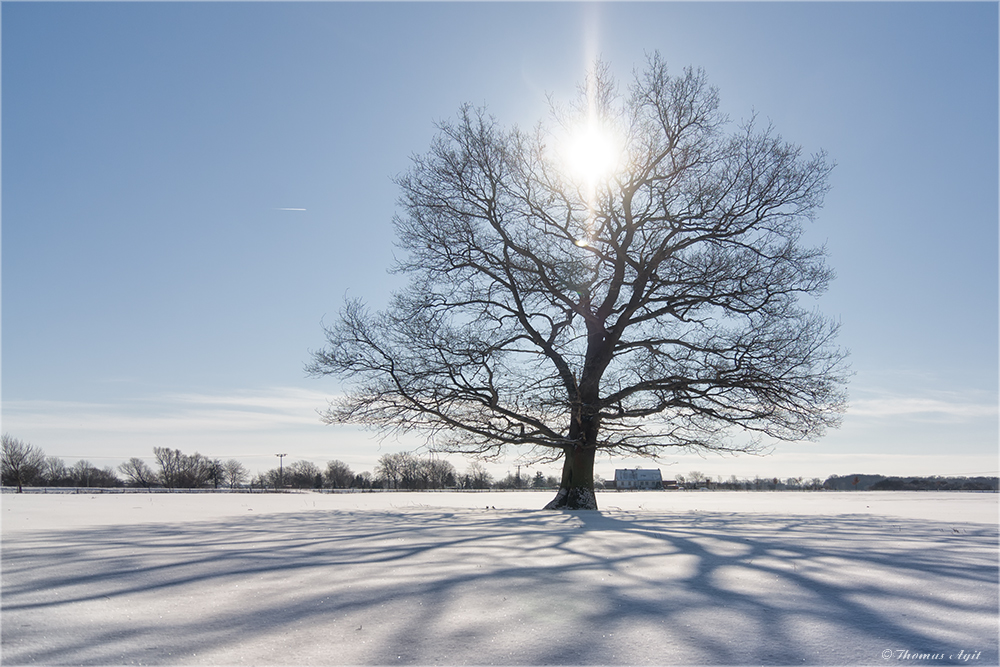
234 473
338 475
20 462
137 472
625 279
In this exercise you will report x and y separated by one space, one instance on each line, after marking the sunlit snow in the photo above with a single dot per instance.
460 578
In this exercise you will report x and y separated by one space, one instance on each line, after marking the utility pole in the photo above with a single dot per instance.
281 469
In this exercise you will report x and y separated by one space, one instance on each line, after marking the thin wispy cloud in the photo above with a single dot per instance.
271 409
949 407
249 425
274 399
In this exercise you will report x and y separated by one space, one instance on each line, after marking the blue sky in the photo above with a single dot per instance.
155 292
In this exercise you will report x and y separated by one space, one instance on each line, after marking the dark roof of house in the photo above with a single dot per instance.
638 475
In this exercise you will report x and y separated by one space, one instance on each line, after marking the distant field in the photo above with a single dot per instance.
63 510
485 578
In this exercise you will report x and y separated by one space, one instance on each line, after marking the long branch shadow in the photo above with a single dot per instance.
473 587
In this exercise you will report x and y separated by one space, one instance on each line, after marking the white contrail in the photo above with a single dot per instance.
289 209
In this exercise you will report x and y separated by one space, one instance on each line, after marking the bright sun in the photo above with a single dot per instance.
592 154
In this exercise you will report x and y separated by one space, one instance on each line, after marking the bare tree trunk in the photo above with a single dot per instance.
576 490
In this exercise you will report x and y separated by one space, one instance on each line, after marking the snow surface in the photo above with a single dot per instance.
678 578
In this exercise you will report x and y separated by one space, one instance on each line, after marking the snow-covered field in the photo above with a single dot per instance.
437 578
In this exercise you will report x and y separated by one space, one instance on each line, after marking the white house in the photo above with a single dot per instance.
638 479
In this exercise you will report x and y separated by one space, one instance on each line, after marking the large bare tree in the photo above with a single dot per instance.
626 279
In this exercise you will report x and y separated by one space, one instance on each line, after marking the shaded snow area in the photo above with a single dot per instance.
674 578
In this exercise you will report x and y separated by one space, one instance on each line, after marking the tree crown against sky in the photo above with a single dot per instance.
626 278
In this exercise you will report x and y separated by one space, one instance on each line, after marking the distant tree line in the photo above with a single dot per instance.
932 483
22 464
397 471
27 465
698 480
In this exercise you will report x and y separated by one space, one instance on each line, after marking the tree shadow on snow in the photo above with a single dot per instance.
432 586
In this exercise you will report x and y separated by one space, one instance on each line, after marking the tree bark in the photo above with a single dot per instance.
576 490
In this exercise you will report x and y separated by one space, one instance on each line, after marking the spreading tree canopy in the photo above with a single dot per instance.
626 278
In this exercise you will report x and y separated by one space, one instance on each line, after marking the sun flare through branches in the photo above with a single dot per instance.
589 149
592 153
589 155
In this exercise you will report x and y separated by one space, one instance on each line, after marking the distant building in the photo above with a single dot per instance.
638 480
